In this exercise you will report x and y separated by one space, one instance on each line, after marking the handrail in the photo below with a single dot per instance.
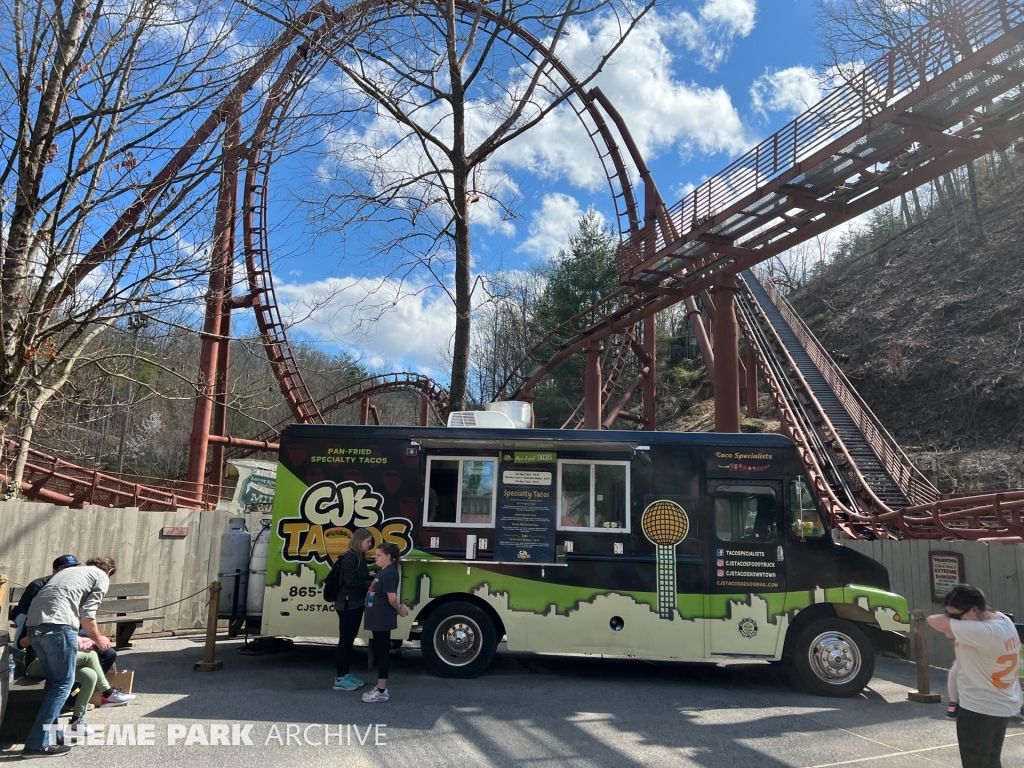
68 483
900 468
790 424
940 44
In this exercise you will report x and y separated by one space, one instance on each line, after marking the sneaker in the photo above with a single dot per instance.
54 750
344 684
116 698
77 727
352 678
952 710
373 696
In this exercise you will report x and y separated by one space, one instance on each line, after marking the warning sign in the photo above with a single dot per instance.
947 570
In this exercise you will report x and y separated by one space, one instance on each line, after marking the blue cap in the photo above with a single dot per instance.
65 561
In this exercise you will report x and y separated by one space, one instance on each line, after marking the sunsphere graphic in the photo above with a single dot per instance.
665 524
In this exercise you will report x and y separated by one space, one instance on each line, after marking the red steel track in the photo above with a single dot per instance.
946 96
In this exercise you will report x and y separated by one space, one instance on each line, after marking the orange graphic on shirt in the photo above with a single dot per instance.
1009 671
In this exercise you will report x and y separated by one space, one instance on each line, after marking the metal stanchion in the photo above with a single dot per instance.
923 693
209 664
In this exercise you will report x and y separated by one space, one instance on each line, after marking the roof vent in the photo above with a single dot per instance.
480 420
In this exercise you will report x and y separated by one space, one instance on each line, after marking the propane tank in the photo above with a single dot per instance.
258 570
235 543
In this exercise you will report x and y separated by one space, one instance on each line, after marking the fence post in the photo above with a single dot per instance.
209 664
923 693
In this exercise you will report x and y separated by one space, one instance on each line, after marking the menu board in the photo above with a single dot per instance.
525 526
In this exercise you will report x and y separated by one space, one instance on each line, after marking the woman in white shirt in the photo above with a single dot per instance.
988 657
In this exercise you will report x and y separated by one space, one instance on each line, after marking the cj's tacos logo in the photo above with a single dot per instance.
329 513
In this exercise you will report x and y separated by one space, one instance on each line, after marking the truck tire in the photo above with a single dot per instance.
831 657
458 640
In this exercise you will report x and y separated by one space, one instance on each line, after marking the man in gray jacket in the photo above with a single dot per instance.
68 600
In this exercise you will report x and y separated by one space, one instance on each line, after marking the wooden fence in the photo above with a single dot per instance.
995 569
33 534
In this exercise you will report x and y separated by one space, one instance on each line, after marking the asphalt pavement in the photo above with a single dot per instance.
524 711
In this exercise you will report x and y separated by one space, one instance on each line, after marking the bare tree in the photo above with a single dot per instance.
447 85
97 98
503 329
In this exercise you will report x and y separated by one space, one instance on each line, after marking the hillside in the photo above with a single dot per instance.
930 329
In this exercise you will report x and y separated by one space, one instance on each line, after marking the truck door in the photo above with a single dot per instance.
747 569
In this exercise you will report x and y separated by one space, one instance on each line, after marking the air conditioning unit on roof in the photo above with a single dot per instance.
480 420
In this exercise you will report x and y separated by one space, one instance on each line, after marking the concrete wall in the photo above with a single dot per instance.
995 569
32 535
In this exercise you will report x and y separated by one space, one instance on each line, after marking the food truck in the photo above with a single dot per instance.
612 543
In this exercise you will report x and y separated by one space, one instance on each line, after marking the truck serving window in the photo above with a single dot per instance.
460 491
806 521
593 495
746 513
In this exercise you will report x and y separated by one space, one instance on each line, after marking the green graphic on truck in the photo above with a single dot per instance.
651 545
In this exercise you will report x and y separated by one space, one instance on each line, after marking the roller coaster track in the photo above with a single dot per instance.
948 95
51 479
324 30
385 383
867 483
944 97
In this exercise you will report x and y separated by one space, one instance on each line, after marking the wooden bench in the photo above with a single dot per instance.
123 606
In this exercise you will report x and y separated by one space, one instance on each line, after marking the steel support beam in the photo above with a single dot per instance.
217 300
753 410
700 332
364 411
651 379
592 388
727 356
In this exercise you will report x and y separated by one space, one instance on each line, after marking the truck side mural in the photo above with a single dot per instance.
663 545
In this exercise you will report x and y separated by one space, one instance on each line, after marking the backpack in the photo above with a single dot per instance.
332 584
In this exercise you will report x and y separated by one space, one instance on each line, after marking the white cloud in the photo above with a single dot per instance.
711 34
736 16
792 90
661 111
377 318
551 224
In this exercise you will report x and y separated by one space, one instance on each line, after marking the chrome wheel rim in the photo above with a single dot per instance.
458 641
834 658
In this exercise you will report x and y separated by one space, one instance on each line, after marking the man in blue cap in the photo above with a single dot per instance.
66 602
21 609
107 657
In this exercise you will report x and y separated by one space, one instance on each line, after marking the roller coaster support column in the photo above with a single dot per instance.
727 357
651 380
753 410
592 388
424 411
364 411
216 328
701 334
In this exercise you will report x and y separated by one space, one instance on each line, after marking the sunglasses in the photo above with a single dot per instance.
957 615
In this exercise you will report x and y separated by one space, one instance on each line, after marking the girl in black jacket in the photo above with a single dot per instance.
355 580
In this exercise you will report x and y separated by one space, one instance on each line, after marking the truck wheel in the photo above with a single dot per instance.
832 657
458 640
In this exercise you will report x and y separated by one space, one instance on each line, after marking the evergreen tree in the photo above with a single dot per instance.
576 279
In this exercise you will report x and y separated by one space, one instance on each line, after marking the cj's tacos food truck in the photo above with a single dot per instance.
638 544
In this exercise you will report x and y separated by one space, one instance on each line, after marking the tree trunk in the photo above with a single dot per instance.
1004 162
905 208
34 409
951 189
943 203
917 205
463 280
972 184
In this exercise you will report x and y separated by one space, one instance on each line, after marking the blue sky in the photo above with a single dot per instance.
699 83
